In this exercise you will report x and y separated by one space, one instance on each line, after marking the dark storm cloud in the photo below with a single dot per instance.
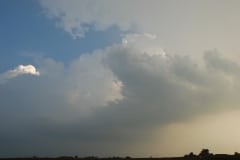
37 117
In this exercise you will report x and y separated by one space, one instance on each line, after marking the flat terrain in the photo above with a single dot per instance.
210 157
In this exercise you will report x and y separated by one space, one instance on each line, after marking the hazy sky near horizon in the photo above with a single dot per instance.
119 78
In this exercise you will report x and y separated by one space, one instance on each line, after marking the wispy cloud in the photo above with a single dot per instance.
188 26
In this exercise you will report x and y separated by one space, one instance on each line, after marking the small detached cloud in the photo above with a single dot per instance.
19 70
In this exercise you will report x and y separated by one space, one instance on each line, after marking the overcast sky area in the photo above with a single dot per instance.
104 78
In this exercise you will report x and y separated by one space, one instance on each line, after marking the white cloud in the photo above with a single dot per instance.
91 83
146 42
19 70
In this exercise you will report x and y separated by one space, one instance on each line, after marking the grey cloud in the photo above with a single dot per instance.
217 62
157 90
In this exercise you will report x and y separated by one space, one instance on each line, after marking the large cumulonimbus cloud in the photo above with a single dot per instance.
19 70
113 99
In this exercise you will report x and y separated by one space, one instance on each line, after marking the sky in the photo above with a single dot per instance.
107 78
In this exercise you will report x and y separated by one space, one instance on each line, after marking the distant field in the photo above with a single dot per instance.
187 157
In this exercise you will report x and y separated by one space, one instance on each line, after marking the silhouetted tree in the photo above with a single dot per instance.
191 154
204 153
